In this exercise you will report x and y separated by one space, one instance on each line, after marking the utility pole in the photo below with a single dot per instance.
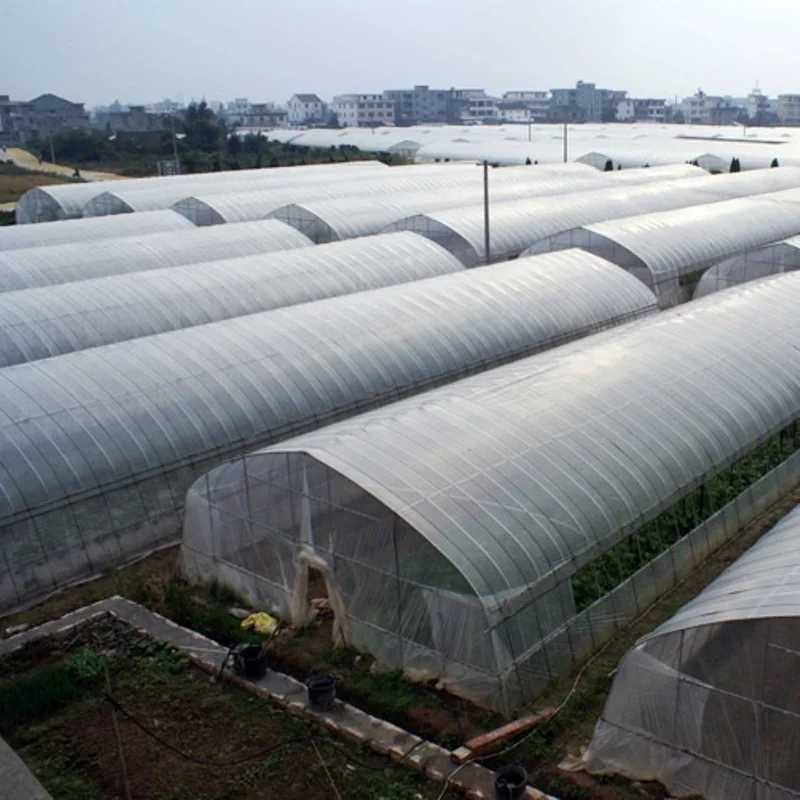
565 142
52 151
486 242
175 146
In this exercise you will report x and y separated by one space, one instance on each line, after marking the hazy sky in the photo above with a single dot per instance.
144 50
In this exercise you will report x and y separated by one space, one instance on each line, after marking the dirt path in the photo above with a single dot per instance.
25 160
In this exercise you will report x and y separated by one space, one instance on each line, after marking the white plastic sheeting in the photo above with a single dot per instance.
709 703
668 250
751 266
242 207
98 448
53 320
45 266
451 524
349 217
514 226
15 237
51 203
141 197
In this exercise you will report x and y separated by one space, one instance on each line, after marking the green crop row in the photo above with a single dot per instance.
616 565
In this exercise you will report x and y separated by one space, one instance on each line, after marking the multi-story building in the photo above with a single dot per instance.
645 109
706 109
473 106
537 103
305 109
132 119
39 117
514 111
788 109
237 110
422 104
585 103
363 110
264 115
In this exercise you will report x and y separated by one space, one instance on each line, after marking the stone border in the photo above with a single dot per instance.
430 759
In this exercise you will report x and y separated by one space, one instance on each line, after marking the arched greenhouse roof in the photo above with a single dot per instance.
100 446
53 320
219 209
750 266
666 250
762 584
349 217
523 474
50 203
516 226
44 266
90 230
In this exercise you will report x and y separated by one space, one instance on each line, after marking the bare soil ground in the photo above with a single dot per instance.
14 182
215 742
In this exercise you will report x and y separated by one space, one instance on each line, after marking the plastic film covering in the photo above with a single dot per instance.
218 209
669 250
751 266
90 230
53 320
139 198
453 524
44 266
517 225
347 218
709 703
52 203
98 448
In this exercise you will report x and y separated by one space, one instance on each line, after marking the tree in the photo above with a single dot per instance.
735 165
203 130
609 167
234 145
253 143
774 162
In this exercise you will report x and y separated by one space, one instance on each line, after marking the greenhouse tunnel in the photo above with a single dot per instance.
517 225
669 250
750 266
709 703
350 217
562 495
33 267
53 320
98 447
74 231
52 203
221 208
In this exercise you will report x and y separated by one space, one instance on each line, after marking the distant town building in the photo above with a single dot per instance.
305 109
264 115
45 114
164 107
363 110
585 103
537 102
472 106
237 110
788 109
132 119
706 109
422 104
642 109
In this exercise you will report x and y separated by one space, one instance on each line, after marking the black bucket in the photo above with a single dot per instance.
510 783
251 662
321 692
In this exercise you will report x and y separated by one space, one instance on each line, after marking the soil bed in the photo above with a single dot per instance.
54 712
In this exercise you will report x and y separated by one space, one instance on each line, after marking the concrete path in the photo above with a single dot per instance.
16 779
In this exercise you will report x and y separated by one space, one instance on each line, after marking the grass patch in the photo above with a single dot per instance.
15 181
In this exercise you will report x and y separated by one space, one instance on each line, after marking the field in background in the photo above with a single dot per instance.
15 181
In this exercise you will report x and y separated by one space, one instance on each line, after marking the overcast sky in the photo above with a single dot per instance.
144 50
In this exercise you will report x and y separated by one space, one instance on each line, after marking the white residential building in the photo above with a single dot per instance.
626 110
475 106
705 109
363 110
305 109
537 102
